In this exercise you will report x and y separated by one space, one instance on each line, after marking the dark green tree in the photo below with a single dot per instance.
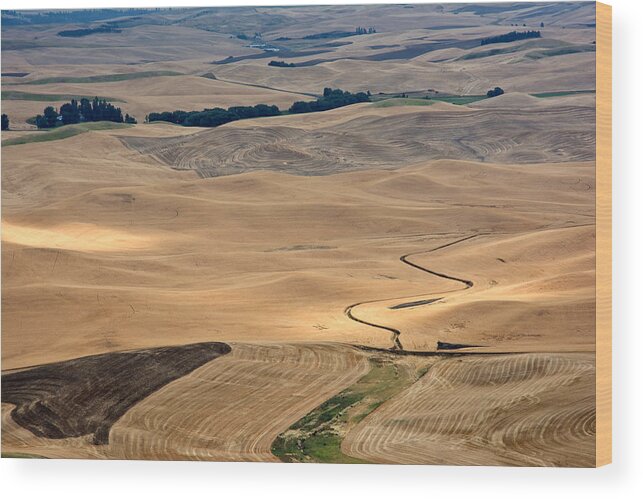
282 64
48 119
300 107
331 99
86 113
70 112
5 122
495 92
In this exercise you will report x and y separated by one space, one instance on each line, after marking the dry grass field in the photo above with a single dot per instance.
511 410
407 280
222 401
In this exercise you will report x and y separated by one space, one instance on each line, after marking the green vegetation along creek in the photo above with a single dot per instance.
317 437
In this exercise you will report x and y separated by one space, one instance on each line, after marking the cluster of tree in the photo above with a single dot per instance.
282 64
331 99
48 119
214 117
77 112
510 37
495 92
77 33
5 122
365 31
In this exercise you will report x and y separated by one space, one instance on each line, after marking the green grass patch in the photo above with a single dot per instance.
16 95
539 44
20 455
490 53
426 100
402 101
102 78
317 437
459 100
573 49
546 95
63 132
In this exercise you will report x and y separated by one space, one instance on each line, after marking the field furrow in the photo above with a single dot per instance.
370 141
521 410
224 411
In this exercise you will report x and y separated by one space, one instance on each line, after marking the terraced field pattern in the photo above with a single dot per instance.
405 280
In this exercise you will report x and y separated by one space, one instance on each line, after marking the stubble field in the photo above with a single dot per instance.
386 283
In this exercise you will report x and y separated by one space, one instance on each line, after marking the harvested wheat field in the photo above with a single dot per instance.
390 266
371 141
211 412
485 411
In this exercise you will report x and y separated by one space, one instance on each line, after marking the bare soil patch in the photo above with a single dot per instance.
88 395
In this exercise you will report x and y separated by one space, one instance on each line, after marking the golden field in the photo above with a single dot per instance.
396 281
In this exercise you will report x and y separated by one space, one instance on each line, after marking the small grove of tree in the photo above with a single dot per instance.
85 110
70 113
495 92
5 122
331 99
510 37
214 117
48 119
282 64
365 31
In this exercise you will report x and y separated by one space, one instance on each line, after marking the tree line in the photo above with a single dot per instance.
77 33
365 31
77 112
510 37
282 64
217 116
331 99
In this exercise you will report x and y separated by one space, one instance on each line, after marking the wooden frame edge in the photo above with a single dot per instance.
603 234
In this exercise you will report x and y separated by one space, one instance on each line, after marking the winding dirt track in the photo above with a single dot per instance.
510 408
256 85
397 344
